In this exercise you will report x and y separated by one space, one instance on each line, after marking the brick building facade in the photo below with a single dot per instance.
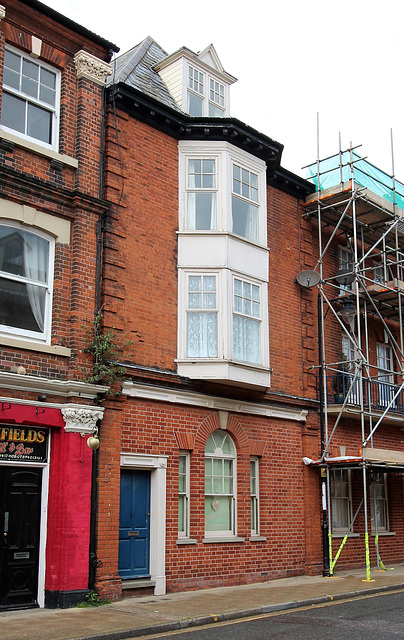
146 200
52 73
217 407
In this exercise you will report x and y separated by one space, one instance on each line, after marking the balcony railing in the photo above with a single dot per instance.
376 393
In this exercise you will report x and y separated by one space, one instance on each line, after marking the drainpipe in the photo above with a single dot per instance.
324 527
93 560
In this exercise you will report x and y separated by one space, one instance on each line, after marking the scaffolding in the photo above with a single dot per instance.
357 204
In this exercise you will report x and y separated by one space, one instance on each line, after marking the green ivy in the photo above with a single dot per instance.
105 352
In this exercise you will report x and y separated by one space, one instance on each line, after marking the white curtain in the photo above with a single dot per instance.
201 335
35 268
246 339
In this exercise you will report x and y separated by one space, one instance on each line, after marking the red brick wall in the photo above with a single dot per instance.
140 285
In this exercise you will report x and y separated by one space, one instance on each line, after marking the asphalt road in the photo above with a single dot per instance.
378 617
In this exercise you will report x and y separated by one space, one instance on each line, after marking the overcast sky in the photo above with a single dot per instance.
293 60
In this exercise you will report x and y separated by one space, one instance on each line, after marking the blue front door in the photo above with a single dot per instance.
134 525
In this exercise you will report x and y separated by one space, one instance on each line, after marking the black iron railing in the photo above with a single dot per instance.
377 394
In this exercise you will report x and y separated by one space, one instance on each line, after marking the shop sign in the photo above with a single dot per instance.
26 444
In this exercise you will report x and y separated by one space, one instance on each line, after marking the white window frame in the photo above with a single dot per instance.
213 101
225 156
243 315
345 500
385 377
381 501
255 495
54 111
184 495
232 532
378 273
224 308
202 310
345 261
192 190
43 336
217 98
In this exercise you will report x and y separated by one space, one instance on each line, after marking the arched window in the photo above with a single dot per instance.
26 273
220 478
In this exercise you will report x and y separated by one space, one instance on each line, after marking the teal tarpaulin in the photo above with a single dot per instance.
339 169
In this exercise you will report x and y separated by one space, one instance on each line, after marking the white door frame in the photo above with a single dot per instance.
158 482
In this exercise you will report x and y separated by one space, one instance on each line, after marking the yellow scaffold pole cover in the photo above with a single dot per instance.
341 546
368 578
381 564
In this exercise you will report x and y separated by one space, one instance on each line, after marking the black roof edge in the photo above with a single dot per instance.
183 127
291 183
70 24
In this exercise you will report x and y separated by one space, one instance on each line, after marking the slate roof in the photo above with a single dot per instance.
135 69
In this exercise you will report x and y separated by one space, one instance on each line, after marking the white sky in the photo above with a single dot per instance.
293 59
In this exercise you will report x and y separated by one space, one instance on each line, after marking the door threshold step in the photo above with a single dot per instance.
138 584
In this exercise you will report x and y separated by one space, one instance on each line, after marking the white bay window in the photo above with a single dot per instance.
223 265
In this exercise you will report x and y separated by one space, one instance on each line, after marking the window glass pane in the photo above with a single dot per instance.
215 111
12 61
29 87
218 467
13 112
218 513
194 301
47 90
210 448
195 283
23 253
195 104
30 69
245 219
181 514
201 209
21 305
39 123
11 79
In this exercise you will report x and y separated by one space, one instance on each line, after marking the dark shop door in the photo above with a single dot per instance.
20 502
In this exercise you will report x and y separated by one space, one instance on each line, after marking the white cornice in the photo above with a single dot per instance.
172 396
2 12
81 419
92 68
64 388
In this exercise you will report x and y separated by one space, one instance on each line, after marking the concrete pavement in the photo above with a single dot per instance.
133 617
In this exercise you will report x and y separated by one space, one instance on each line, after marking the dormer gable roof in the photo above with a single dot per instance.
207 59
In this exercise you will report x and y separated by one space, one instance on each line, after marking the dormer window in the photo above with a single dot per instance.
216 99
197 82
195 92
201 104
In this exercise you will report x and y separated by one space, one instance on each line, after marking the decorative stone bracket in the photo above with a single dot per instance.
92 68
81 420
2 12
